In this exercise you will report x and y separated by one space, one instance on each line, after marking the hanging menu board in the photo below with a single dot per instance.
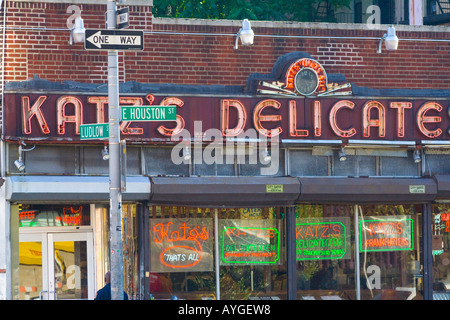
181 245
386 233
249 242
323 238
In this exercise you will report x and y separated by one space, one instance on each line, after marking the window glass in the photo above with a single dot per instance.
324 250
183 257
30 271
181 253
391 252
252 259
441 251
36 215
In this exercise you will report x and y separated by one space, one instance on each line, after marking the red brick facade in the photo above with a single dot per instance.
37 44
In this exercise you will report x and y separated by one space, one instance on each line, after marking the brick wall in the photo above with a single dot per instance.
201 52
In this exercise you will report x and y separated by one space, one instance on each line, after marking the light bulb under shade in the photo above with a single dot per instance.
19 165
246 33
267 156
78 31
105 153
416 156
186 154
391 40
342 155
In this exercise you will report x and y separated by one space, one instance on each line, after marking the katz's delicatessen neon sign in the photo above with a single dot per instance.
58 117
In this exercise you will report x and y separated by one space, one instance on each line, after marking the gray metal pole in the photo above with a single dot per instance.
216 245
357 262
115 214
427 214
291 253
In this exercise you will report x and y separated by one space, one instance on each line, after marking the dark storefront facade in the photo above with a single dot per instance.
339 193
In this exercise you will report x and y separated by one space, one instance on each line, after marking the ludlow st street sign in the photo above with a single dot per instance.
94 131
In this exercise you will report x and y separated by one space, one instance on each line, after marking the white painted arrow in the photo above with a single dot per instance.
98 39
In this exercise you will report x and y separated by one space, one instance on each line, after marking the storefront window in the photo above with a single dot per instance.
389 252
325 252
252 254
441 251
184 259
182 253
343 252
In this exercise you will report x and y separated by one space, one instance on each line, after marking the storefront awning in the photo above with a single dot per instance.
72 188
367 190
443 186
225 191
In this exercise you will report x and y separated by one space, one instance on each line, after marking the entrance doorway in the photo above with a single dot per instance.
56 265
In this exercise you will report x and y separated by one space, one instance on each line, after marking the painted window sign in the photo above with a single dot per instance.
387 233
181 245
323 239
249 242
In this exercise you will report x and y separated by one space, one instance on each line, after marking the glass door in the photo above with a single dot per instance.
56 266
32 247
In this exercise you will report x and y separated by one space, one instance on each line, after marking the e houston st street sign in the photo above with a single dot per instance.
113 39
148 113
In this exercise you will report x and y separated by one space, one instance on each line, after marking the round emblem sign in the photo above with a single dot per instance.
306 77
306 81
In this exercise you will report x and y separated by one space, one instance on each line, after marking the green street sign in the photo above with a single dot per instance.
149 113
94 131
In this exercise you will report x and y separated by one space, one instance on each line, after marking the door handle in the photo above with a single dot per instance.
43 291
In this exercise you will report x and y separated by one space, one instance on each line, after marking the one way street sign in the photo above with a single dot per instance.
107 39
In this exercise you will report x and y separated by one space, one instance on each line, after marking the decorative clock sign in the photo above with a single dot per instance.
306 76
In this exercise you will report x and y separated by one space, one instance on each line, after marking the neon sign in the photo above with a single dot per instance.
387 233
442 222
71 216
26 219
180 246
322 239
59 117
242 244
53 216
314 79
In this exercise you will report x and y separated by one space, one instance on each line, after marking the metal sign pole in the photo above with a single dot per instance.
357 262
115 215
216 245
